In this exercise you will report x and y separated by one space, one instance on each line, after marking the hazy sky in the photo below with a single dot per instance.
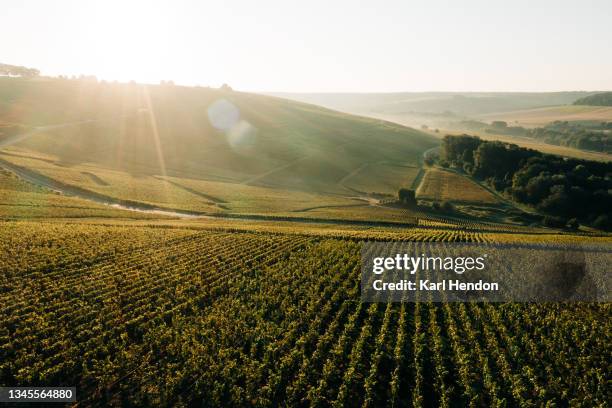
312 45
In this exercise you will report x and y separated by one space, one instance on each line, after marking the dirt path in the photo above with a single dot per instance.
274 170
416 183
351 174
72 191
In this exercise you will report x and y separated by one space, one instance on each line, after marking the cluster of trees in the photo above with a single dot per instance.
599 99
579 135
589 137
407 197
16 70
498 127
501 127
569 189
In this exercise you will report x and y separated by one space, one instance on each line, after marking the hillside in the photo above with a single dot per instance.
449 104
600 99
542 116
202 150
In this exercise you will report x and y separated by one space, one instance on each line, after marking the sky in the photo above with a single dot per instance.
319 46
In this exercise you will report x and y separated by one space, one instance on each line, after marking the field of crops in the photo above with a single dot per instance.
441 185
544 115
205 196
22 200
382 178
180 316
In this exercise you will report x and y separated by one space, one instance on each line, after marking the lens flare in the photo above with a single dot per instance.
223 115
242 136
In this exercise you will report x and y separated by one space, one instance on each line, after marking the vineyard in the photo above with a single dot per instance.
19 200
441 185
170 315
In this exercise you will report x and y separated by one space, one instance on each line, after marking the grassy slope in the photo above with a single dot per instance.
143 133
21 200
460 103
176 119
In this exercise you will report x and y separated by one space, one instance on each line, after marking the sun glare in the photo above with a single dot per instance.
132 41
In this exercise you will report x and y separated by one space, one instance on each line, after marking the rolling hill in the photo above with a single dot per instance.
170 146
542 116
435 103
599 99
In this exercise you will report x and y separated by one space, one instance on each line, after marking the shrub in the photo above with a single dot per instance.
407 196
447 206
603 222
572 224
554 222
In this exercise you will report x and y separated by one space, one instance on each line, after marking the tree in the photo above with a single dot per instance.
459 148
554 222
16 70
499 124
447 206
572 224
407 196
603 222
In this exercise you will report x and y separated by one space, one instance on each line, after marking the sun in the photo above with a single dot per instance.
131 41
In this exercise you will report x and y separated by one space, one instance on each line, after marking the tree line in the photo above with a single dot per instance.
594 136
570 190
580 135
16 70
599 99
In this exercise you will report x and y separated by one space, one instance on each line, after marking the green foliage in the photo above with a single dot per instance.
572 224
459 148
554 222
16 70
407 196
587 136
599 99
178 316
603 222
447 206
558 186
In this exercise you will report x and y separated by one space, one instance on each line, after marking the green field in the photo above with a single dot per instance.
22 200
162 130
381 178
151 259
142 315
158 145
442 185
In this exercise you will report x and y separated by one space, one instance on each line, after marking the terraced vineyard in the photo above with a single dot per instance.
179 316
